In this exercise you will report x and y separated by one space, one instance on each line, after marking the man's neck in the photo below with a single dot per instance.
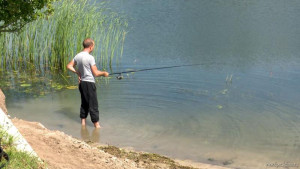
86 50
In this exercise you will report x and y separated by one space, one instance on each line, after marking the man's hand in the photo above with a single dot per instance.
70 66
106 74
79 76
97 72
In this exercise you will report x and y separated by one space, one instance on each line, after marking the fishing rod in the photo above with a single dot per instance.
119 77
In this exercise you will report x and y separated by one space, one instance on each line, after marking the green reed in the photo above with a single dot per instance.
52 42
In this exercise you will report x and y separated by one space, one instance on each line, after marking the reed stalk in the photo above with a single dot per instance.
51 43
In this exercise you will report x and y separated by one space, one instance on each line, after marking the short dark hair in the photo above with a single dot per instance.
88 43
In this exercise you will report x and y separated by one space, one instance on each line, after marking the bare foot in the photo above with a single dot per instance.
82 122
97 125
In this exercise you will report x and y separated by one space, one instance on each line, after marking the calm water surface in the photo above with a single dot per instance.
194 112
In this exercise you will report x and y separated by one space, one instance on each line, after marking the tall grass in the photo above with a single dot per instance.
49 44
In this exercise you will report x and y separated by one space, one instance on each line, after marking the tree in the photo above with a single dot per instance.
14 14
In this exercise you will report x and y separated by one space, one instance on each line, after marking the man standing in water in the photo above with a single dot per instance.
87 71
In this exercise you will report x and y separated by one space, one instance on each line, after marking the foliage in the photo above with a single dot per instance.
18 159
51 43
15 14
33 61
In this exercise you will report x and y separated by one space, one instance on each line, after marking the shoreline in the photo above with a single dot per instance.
59 150
52 145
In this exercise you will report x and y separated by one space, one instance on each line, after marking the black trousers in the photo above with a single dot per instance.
89 101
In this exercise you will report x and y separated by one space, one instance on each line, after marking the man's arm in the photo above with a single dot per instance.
97 72
70 66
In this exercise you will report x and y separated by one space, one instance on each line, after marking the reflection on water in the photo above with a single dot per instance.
240 110
87 137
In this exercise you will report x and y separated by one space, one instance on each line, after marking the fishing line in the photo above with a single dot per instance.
119 74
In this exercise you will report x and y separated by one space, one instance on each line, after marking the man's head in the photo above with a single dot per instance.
88 44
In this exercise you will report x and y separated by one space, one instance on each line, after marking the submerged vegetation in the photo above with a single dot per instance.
44 47
144 160
33 84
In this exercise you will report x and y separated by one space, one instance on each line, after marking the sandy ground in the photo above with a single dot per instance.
61 151
2 102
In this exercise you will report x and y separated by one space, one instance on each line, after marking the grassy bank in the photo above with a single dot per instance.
18 159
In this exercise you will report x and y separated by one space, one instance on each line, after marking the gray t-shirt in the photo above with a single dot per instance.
84 61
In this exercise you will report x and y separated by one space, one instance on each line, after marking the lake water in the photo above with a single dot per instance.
240 107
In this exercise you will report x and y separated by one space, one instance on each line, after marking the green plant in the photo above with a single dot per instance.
33 61
17 159
15 14
51 43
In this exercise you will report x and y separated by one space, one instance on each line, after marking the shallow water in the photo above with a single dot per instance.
194 112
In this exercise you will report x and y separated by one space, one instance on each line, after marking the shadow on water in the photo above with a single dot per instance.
68 113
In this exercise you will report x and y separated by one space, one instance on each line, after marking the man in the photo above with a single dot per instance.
87 71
